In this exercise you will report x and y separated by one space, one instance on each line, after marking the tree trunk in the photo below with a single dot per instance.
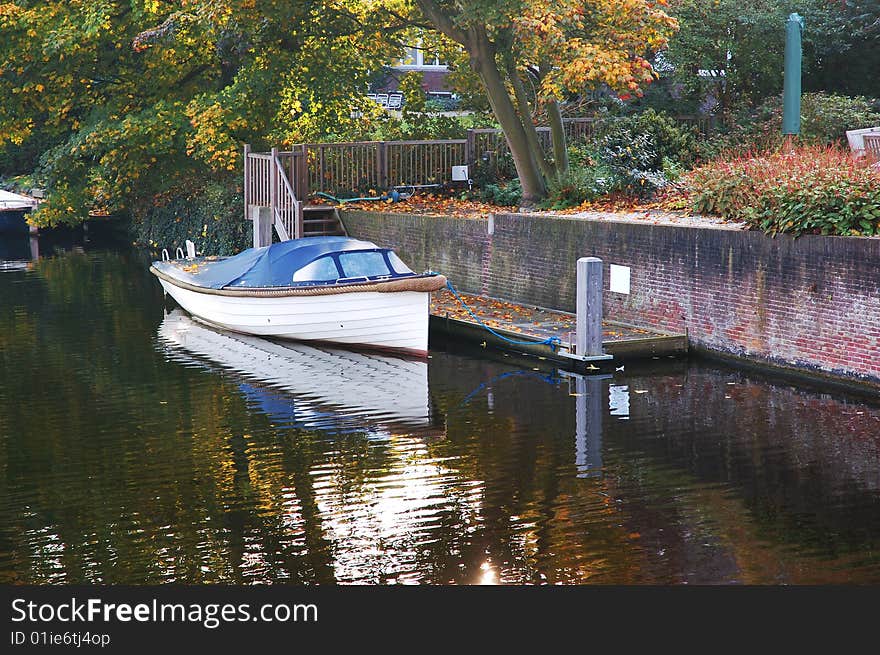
530 177
557 133
476 42
525 116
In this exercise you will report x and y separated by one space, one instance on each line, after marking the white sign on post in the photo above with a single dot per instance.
619 279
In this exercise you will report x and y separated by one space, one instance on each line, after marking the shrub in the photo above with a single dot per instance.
825 118
639 148
813 189
582 154
665 137
588 178
212 217
581 184
442 104
493 170
414 126
634 162
508 195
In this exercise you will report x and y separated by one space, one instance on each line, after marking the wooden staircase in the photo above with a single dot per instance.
276 181
322 221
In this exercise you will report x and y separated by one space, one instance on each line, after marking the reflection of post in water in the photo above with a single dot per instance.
588 423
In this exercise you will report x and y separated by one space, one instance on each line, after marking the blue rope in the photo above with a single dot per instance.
549 379
553 342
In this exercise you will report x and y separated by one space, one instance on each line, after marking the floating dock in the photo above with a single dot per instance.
523 323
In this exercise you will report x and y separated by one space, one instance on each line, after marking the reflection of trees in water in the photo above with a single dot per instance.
122 466
129 468
687 482
778 477
540 522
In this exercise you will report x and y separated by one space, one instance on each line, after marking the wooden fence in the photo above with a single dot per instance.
283 180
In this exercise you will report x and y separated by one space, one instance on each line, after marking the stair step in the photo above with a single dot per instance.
322 221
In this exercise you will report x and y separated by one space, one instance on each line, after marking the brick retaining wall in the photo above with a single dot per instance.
809 303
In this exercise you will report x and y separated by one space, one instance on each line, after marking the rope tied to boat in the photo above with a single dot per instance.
553 342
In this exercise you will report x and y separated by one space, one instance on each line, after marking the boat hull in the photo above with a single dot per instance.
312 387
13 221
395 321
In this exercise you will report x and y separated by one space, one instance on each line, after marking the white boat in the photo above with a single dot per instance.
333 289
310 387
13 202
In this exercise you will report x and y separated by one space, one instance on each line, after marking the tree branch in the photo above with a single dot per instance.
442 22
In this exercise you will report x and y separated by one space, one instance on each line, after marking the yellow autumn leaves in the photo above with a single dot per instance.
591 43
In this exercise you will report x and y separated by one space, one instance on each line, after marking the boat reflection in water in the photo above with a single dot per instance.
383 509
18 252
310 387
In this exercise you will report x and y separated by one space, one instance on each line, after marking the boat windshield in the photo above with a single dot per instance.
322 269
363 264
355 264
397 264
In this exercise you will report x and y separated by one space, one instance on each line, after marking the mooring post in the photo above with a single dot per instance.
262 220
589 307
588 425
35 246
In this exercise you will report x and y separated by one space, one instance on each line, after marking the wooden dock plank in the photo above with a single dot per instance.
520 323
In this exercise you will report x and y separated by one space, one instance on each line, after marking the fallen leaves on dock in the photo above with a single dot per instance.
522 319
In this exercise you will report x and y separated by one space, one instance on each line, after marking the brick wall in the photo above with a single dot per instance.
808 303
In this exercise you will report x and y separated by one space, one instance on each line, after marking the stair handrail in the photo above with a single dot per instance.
297 204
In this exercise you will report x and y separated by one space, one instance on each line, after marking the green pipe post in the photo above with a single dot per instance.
791 90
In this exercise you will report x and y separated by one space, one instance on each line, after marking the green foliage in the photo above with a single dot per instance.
414 126
744 38
441 104
844 54
639 148
506 195
211 217
825 118
813 189
820 205
581 184
116 101
665 138
413 93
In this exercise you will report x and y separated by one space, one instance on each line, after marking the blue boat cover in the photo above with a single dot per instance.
270 266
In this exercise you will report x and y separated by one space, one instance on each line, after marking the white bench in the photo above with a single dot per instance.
856 139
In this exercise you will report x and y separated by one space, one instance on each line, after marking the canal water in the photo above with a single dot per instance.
137 446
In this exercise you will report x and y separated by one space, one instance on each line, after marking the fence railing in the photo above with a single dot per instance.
283 180
269 181
705 125
872 147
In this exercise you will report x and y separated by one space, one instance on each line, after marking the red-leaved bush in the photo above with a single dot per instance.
811 189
